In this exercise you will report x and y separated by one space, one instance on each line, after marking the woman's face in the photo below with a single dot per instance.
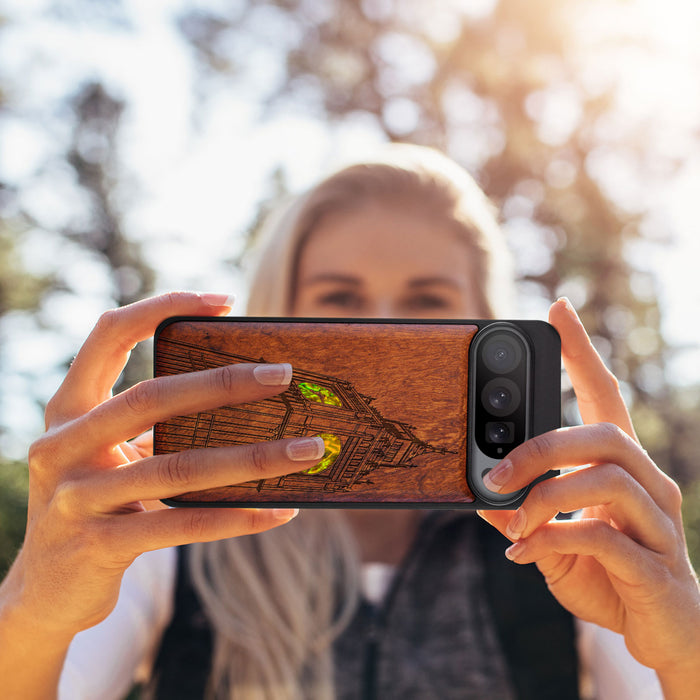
387 262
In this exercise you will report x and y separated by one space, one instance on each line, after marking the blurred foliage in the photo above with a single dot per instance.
691 520
19 290
14 482
93 155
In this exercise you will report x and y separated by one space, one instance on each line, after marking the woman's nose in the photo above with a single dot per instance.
384 308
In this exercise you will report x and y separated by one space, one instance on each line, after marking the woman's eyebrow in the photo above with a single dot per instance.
433 281
332 277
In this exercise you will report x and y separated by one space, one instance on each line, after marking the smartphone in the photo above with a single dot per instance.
413 413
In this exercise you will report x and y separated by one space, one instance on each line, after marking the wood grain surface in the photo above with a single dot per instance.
400 413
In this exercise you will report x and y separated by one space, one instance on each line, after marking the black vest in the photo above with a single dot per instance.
534 635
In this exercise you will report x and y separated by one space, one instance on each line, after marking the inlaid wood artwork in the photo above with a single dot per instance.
389 400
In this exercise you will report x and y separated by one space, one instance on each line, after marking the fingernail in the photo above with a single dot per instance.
517 525
499 476
569 306
515 550
306 448
218 299
285 514
273 375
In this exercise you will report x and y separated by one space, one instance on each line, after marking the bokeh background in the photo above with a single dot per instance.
140 142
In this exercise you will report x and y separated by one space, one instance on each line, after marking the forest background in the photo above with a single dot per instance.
141 142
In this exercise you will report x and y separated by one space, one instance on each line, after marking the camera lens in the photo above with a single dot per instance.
500 396
499 432
502 353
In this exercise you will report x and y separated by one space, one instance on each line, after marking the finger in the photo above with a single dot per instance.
138 408
596 388
143 532
166 476
576 446
605 486
497 518
143 444
130 452
614 550
138 448
105 352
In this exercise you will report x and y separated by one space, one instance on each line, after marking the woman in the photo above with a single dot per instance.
410 237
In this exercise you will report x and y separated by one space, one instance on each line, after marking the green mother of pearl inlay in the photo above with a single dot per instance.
319 394
333 446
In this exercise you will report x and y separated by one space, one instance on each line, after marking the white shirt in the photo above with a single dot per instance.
104 661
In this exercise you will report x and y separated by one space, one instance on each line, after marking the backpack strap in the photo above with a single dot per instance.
536 633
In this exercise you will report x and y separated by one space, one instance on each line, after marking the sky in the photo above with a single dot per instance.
185 183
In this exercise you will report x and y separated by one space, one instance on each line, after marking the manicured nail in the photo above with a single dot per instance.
218 299
306 448
515 550
285 514
569 306
273 375
517 525
498 477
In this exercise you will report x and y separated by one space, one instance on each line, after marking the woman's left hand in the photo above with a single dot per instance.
623 564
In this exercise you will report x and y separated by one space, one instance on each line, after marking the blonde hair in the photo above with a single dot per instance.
277 600
416 176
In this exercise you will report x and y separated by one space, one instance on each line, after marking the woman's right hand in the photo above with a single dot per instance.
87 518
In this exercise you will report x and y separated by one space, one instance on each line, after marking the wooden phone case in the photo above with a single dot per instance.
389 398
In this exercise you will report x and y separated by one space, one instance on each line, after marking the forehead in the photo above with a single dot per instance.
390 236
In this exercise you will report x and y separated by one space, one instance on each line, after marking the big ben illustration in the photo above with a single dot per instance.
359 439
